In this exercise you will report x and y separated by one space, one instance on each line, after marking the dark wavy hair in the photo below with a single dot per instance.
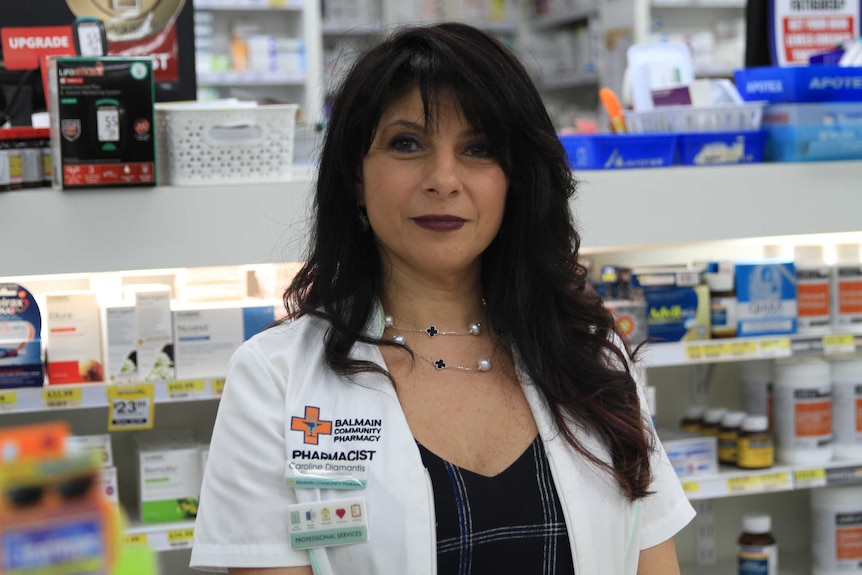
532 281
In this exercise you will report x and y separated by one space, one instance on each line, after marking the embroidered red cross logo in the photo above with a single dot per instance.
311 425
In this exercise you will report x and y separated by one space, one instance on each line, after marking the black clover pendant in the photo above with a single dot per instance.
431 331
440 364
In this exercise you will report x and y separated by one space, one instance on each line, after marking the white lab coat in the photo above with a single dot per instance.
275 376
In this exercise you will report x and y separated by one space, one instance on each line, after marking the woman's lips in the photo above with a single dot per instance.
440 223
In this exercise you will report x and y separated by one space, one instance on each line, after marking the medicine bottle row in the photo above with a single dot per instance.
25 158
743 439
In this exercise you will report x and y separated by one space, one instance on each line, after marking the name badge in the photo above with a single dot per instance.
327 523
323 474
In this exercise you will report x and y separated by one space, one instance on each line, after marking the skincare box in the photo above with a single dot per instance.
74 338
121 348
155 349
169 479
205 339
766 298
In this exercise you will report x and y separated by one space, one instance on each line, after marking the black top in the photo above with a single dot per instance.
509 523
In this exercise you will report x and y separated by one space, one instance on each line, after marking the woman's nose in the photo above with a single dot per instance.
442 173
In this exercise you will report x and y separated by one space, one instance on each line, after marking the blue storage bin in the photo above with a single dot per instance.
813 132
617 151
721 148
821 83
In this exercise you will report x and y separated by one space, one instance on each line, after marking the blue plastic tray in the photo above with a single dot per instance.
619 151
721 148
819 83
813 132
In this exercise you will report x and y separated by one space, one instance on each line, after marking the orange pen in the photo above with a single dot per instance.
615 110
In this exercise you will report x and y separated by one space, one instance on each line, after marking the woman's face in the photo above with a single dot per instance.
434 193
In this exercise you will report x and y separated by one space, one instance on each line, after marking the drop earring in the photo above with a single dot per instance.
362 218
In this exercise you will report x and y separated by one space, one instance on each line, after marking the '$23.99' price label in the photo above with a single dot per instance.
130 407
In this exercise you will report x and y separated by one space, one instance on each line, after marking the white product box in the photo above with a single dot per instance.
153 332
74 337
107 479
690 454
100 444
169 482
121 348
205 339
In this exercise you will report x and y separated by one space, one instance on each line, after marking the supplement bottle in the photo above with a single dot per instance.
754 446
757 551
30 148
812 290
756 376
836 530
847 409
44 135
847 287
712 420
728 435
10 170
802 417
692 419
722 304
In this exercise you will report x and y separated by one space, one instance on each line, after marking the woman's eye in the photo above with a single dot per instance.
480 150
404 144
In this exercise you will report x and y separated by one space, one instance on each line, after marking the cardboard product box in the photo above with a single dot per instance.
100 444
766 298
690 454
205 339
107 478
170 480
102 121
677 313
20 338
121 348
74 338
154 337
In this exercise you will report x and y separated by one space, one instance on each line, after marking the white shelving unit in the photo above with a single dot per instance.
87 231
297 19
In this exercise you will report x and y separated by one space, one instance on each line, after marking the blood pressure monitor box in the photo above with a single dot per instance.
102 121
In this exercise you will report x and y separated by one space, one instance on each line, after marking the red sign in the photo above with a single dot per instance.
23 47
161 46
106 174
806 35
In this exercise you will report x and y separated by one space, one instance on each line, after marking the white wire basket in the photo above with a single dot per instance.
682 119
200 144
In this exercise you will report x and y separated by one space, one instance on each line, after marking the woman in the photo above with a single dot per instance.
444 387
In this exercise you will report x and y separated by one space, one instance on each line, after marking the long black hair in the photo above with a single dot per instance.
531 278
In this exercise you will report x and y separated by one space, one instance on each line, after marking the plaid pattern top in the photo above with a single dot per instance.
509 523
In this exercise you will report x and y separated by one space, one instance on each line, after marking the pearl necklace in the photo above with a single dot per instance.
484 363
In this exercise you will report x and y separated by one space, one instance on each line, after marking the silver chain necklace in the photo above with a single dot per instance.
484 363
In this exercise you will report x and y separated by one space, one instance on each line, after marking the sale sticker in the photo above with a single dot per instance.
131 407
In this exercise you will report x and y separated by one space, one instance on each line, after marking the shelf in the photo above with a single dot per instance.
694 4
620 210
368 29
162 536
742 349
225 79
242 5
94 395
732 482
564 18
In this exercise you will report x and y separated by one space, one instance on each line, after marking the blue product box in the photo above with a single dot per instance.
813 132
720 148
824 83
616 151
20 338
766 298
677 313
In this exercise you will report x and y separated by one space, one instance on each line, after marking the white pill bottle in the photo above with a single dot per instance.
847 407
836 533
802 410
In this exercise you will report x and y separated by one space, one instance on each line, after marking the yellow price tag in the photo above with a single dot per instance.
742 348
690 486
131 407
775 347
181 537
135 539
186 388
838 344
774 481
742 484
217 386
277 3
8 401
809 478
62 397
